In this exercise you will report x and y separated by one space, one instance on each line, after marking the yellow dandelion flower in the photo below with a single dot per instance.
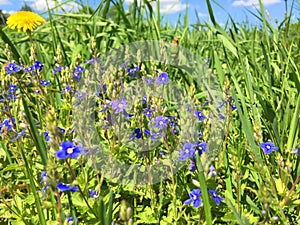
24 20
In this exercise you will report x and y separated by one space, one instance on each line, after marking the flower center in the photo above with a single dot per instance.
187 151
268 146
194 197
70 150
120 105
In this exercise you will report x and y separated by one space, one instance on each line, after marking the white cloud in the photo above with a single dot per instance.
8 12
166 6
254 2
5 2
41 5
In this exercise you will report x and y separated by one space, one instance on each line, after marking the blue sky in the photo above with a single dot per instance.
172 8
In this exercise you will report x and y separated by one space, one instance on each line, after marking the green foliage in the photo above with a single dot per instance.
258 66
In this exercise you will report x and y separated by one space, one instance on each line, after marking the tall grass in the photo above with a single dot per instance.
258 66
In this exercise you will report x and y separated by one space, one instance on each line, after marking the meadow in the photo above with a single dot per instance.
114 116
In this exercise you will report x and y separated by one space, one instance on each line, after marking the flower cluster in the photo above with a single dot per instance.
189 150
78 71
195 197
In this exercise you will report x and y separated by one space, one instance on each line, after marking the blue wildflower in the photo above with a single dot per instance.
68 149
67 89
119 106
45 82
201 147
7 125
62 130
29 69
78 71
70 220
215 197
153 136
133 71
44 179
162 78
65 187
38 65
12 88
137 134
194 198
148 112
144 99
127 115
160 122
57 69
268 147
93 194
199 115
212 171
193 166
12 68
187 151
46 135
19 135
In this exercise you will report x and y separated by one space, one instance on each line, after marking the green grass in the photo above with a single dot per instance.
256 65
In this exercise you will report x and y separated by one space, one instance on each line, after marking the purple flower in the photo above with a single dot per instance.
70 220
144 99
160 122
93 194
45 83
153 136
68 148
79 69
44 177
148 112
127 115
162 78
201 147
193 166
7 125
67 89
38 65
46 135
65 187
133 71
268 147
12 88
57 69
199 115
19 135
194 198
62 130
12 68
212 171
137 134
29 69
187 151
215 197
119 106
